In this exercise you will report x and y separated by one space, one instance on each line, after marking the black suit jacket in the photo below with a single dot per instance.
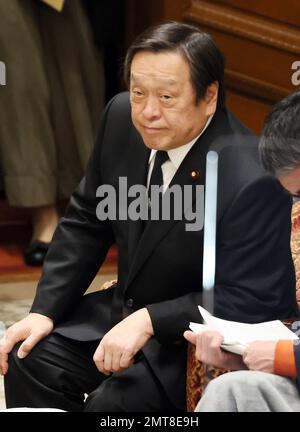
162 269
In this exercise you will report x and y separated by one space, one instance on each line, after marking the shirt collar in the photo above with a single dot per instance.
177 155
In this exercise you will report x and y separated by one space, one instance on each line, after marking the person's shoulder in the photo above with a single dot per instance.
240 168
228 124
238 126
237 147
232 140
117 115
120 103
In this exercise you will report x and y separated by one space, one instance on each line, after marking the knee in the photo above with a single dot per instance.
13 359
16 364
246 379
237 382
229 383
221 384
233 391
15 370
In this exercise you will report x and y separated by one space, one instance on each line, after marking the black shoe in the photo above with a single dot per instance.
35 253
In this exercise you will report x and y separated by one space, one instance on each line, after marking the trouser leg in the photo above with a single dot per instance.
250 391
135 389
56 374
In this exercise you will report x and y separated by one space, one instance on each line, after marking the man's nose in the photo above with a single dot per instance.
151 109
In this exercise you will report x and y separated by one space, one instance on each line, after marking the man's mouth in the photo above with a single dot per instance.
152 130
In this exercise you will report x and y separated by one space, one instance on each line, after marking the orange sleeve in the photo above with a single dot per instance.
284 362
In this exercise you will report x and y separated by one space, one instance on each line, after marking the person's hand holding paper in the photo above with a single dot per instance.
254 342
209 350
257 356
237 336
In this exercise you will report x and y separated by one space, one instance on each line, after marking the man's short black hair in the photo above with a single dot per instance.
205 60
280 142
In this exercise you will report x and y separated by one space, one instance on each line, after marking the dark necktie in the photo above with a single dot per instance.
157 175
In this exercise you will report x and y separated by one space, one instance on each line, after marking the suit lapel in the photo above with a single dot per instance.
138 169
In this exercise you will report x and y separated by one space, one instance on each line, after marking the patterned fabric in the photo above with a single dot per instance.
198 374
295 245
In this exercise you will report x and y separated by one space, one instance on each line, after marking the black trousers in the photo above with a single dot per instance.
59 372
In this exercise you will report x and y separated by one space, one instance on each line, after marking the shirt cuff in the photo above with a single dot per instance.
284 362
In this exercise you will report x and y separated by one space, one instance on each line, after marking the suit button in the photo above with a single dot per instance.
129 303
195 174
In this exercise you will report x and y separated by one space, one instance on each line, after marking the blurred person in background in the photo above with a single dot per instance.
50 107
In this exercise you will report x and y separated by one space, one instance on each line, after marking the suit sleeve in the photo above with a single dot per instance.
255 277
79 245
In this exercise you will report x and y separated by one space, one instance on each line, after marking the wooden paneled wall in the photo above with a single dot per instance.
260 40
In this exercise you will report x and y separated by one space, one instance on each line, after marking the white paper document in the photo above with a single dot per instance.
238 335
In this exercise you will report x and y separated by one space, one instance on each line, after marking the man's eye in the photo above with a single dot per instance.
166 97
137 93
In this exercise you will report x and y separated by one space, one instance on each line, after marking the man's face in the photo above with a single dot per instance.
291 182
163 100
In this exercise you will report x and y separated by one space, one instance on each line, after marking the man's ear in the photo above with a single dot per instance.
211 98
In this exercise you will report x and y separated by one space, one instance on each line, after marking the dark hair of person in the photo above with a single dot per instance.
205 60
279 145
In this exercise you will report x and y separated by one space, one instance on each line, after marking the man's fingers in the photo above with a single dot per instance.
6 345
3 357
190 336
28 345
199 348
8 341
99 360
31 330
107 361
216 340
126 360
4 364
116 362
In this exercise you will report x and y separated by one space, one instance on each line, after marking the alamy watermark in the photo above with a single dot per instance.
134 203
296 75
2 73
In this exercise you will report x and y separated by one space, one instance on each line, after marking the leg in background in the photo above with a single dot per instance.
250 391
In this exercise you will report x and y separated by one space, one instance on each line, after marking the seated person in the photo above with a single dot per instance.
267 371
126 341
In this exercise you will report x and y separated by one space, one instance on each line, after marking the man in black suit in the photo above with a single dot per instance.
158 134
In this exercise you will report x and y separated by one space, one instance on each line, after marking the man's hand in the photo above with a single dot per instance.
259 356
31 330
208 350
118 347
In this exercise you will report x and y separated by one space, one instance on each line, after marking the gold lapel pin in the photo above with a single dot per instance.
195 174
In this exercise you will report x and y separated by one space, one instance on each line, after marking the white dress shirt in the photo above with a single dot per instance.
176 156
